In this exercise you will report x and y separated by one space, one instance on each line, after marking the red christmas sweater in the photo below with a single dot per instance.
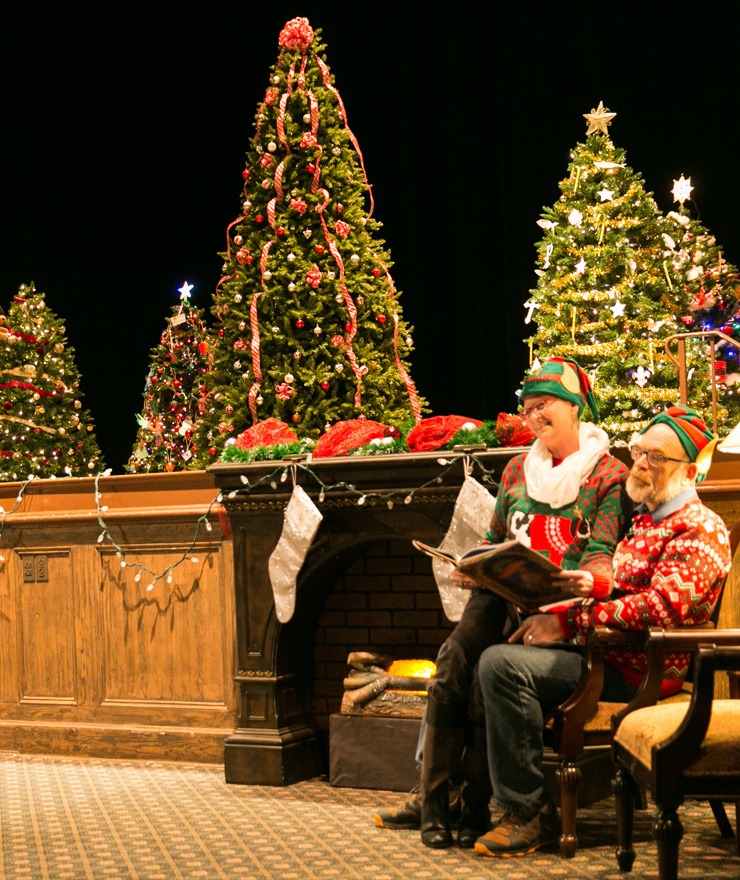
666 573
581 535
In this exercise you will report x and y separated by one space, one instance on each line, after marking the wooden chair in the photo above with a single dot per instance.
680 751
582 728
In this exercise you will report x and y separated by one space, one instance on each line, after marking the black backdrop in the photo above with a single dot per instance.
123 131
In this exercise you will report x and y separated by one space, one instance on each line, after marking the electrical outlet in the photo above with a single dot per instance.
42 568
29 570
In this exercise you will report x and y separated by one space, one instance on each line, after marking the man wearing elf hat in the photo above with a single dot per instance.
563 497
668 570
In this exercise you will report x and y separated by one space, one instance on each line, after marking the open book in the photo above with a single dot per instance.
519 574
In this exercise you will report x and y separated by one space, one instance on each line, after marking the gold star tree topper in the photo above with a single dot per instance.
682 189
599 119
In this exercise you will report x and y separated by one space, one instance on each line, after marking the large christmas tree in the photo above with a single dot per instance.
309 325
712 318
174 392
45 430
607 293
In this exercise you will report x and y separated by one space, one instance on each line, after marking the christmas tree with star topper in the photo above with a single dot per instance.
310 329
607 293
174 392
44 429
712 319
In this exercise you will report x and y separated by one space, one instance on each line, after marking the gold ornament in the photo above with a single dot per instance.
599 119
682 189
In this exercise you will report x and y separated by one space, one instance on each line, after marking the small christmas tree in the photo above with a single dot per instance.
712 288
606 293
308 318
174 392
45 431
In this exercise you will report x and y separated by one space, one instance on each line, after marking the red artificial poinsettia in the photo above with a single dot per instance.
343 437
512 430
434 432
269 432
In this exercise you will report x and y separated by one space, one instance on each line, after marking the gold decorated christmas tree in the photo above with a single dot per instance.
607 293
45 431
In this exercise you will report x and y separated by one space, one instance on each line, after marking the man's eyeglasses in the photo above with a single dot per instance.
654 458
537 410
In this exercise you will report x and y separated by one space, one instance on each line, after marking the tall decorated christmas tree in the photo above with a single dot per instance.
607 293
44 429
310 329
174 392
712 318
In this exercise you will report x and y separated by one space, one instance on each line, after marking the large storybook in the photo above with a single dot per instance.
519 574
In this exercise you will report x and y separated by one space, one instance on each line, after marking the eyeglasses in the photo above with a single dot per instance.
537 410
654 458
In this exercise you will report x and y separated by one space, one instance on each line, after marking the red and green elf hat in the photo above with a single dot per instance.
691 429
563 378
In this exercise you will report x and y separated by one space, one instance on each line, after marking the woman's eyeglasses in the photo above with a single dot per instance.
537 410
654 458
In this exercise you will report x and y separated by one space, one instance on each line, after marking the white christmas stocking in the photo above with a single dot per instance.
470 521
302 519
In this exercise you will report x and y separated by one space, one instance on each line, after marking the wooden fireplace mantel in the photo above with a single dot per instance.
276 742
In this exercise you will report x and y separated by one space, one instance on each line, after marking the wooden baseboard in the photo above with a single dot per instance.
113 741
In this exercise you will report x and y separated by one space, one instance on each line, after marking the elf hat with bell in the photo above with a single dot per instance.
563 378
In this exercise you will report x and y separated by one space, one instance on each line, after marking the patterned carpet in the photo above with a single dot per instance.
68 819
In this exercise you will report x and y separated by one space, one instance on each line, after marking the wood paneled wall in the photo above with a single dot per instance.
93 658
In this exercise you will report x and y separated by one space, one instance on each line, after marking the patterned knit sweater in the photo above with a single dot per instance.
665 574
581 535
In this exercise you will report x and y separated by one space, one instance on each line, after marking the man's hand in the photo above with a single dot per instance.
578 582
539 629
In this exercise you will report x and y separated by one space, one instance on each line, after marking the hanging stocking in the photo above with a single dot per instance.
470 521
302 519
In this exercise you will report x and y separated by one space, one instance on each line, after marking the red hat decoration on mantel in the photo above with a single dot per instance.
432 433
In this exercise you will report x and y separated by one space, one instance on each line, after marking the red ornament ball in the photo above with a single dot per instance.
213 451
325 385
7 404
245 174
347 328
259 218
202 347
280 231
376 272
380 319
340 207
310 168
300 324
295 418
319 248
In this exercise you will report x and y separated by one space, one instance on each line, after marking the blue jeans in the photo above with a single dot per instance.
520 685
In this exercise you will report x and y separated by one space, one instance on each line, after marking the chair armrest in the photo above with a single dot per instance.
571 716
659 641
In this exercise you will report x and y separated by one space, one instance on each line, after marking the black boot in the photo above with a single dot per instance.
444 741
475 819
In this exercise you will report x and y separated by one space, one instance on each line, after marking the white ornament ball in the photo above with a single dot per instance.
291 257
272 146
317 330
291 287
355 258
306 118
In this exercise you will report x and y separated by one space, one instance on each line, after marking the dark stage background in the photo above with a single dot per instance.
123 130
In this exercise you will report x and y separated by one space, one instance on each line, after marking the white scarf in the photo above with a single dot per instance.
559 486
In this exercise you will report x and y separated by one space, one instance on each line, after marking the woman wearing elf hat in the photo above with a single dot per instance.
565 498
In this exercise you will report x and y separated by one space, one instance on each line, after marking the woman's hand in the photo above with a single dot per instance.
538 629
462 580
577 582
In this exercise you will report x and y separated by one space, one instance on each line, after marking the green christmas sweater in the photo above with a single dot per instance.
581 535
